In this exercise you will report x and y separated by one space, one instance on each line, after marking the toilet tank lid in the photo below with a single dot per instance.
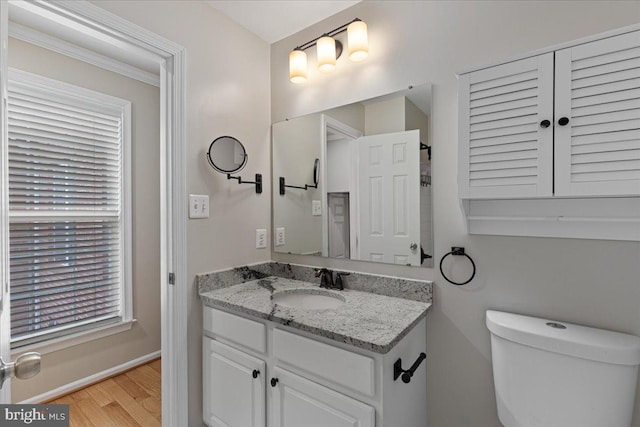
575 340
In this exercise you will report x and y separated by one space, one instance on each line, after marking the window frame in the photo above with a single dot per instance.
106 104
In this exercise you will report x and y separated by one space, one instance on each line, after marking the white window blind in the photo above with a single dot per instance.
67 216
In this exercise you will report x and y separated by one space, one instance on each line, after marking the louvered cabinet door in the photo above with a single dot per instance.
597 153
504 151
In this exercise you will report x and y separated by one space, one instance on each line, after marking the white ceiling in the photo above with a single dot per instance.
274 20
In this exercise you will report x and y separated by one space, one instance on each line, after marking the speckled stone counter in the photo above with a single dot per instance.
370 321
416 290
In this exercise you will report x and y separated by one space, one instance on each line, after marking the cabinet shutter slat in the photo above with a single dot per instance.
598 89
506 150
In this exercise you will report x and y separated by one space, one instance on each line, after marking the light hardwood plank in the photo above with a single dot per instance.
120 416
156 365
95 413
77 418
99 395
147 378
152 405
129 404
130 386
80 394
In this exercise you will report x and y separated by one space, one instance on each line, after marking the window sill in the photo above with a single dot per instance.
75 339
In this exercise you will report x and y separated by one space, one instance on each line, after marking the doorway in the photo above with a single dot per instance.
118 39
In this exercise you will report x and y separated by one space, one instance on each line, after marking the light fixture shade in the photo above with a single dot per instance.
358 41
326 54
298 66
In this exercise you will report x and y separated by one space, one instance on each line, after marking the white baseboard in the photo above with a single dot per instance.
91 379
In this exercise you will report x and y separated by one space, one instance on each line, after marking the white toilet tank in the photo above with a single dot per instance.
558 374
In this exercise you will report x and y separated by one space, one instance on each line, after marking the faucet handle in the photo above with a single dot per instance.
319 271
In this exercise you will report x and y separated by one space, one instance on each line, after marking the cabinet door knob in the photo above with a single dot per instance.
563 121
274 382
255 373
545 124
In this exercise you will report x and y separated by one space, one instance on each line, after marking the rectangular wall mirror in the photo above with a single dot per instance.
354 182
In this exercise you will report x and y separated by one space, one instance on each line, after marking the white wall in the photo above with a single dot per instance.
68 365
583 281
227 94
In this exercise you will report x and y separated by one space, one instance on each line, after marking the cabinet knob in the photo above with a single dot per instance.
274 382
545 124
255 373
563 121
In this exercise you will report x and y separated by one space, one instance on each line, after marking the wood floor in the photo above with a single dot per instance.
129 399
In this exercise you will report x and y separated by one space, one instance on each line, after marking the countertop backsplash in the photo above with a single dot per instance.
416 290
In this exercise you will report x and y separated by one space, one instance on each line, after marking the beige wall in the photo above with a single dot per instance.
227 94
384 116
71 364
297 145
583 281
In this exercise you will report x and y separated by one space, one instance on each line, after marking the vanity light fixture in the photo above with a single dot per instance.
329 50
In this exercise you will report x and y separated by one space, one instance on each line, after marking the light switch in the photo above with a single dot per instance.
198 206
316 208
261 238
280 236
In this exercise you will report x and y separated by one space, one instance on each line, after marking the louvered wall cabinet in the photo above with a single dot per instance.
549 143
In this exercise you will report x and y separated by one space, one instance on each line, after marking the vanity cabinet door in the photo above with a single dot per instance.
506 130
597 143
233 387
298 402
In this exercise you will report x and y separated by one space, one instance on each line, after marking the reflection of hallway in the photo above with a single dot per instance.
129 399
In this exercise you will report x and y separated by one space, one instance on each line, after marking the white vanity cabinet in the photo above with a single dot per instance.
234 386
296 379
556 133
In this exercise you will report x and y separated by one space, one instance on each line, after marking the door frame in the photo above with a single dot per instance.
173 244
326 123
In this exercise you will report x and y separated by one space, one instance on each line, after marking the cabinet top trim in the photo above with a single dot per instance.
573 43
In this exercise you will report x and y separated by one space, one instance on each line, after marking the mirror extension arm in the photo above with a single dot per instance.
316 178
257 182
283 186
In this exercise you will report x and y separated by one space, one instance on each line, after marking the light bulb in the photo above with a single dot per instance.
326 54
358 41
298 66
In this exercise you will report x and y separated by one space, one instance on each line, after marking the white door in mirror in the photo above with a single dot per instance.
198 206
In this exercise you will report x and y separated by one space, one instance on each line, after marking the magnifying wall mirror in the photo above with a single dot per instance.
371 168
227 155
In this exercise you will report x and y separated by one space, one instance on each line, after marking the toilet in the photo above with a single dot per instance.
557 374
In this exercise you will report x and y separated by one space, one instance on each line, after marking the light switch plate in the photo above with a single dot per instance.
198 206
280 236
261 238
316 208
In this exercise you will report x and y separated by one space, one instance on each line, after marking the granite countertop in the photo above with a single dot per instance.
366 320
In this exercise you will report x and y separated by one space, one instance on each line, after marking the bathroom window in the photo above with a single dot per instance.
69 209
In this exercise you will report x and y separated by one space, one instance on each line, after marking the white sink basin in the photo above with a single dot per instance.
308 299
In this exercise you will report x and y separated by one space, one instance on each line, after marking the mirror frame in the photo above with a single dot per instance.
217 168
